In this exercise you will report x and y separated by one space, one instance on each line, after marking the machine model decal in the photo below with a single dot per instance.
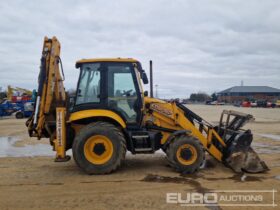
158 108
59 128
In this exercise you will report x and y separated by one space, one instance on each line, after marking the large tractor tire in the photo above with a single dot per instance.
99 148
185 154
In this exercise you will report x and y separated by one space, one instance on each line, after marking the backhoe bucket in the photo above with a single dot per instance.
246 161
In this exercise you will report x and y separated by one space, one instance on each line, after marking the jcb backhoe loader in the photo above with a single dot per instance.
111 113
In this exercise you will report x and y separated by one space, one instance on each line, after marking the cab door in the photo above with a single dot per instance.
124 95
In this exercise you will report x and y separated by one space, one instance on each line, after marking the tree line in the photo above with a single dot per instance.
202 97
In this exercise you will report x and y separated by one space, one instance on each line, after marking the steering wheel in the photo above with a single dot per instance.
127 93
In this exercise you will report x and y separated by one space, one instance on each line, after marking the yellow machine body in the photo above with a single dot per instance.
158 125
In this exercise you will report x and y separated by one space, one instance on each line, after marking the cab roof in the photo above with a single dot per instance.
93 60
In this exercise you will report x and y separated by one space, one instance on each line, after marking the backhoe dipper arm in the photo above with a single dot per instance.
48 119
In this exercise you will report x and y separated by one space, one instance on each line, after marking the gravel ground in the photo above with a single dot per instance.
142 183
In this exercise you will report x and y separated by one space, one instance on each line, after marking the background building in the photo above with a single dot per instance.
241 93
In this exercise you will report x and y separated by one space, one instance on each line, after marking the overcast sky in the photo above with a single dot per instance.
195 45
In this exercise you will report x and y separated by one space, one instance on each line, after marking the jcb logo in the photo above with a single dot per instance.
161 110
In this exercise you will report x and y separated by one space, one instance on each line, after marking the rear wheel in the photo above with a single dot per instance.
185 154
99 148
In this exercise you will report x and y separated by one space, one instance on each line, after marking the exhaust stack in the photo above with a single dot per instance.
151 79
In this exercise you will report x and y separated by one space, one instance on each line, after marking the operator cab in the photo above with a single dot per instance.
111 84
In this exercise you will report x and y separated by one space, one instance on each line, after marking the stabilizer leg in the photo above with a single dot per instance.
60 140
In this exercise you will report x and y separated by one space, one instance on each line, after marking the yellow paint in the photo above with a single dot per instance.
11 91
53 91
60 140
168 115
96 113
218 137
93 60
95 141
153 100
164 138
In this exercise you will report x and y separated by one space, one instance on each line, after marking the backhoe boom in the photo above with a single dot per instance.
50 111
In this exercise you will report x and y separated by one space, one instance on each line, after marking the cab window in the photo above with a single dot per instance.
89 85
122 96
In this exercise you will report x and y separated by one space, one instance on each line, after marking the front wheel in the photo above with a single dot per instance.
99 148
185 154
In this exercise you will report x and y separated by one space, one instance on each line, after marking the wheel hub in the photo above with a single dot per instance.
186 154
99 149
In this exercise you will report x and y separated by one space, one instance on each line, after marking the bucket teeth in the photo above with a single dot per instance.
246 161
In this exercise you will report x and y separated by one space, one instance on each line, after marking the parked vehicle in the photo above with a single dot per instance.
246 104
214 103
26 110
7 108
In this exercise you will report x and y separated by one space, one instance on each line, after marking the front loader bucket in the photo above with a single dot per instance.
241 157
246 160
238 153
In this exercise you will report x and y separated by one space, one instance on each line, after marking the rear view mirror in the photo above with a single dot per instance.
70 102
144 78
146 93
79 92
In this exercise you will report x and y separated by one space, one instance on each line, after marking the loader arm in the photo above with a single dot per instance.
227 142
176 119
48 120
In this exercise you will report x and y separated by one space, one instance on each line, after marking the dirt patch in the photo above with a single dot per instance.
40 183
